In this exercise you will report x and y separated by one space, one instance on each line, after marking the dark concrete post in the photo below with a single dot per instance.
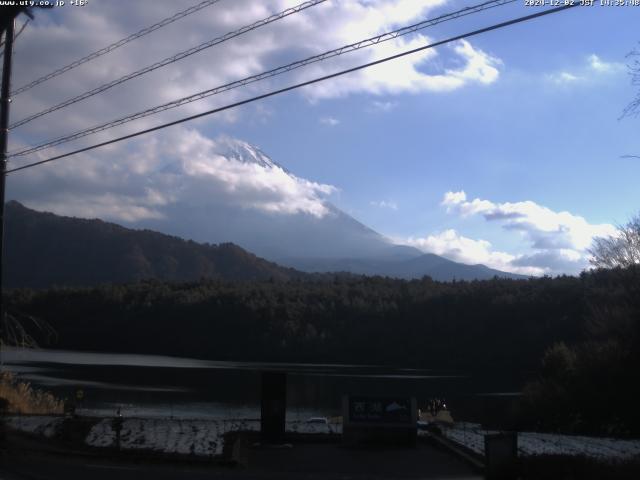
117 423
273 407
501 455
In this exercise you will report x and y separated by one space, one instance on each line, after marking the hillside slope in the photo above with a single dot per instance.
43 249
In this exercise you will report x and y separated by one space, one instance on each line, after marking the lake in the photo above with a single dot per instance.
163 386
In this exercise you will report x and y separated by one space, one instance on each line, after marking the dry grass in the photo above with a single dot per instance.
21 397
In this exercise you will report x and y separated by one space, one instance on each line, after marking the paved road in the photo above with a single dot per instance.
310 462
41 467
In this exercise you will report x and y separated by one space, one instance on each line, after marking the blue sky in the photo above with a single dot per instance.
532 134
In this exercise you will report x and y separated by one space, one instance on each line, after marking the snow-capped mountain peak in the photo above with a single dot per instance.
244 152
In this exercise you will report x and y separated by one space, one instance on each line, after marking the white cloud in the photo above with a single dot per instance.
407 74
591 70
379 106
597 64
209 170
262 113
330 121
563 77
480 66
543 226
450 244
454 198
179 168
558 241
51 41
384 204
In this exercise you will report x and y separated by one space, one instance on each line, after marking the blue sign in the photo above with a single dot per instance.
380 410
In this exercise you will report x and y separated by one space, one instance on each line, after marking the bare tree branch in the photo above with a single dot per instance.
633 109
620 250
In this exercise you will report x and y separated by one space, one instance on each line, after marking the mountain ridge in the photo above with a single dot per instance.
260 218
406 267
44 249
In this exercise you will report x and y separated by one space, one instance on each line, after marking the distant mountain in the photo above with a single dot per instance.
270 235
333 242
43 249
402 266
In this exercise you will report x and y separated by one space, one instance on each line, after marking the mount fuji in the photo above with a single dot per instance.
231 191
315 230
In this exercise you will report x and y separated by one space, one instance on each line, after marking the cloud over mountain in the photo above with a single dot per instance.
452 245
209 190
181 167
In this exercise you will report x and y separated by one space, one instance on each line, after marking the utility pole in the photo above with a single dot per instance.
4 134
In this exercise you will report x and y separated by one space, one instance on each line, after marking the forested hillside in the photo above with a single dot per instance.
482 324
583 331
43 249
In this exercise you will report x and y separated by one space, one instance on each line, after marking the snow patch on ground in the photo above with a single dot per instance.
187 437
531 443
101 434
206 437
183 436
42 425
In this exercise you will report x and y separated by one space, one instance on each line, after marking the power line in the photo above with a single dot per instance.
261 76
113 46
264 75
300 85
172 59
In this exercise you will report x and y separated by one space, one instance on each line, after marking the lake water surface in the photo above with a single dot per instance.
162 386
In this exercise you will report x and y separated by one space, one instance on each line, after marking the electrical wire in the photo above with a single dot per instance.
264 75
113 46
299 85
172 59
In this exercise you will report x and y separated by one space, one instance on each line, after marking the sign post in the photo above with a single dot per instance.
273 407
380 420
501 455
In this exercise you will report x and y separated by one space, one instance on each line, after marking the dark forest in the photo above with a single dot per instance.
574 339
